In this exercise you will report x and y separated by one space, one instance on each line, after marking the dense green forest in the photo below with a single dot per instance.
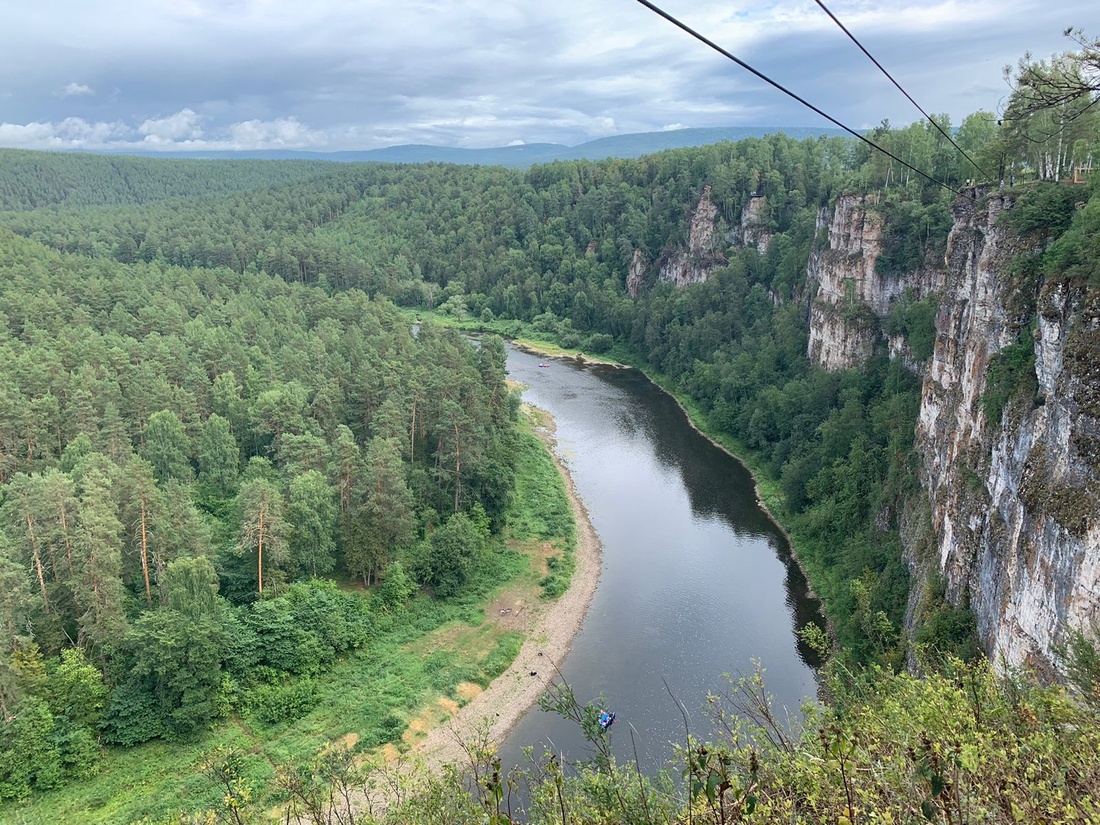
227 464
549 249
29 180
184 453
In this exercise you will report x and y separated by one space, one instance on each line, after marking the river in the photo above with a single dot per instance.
697 581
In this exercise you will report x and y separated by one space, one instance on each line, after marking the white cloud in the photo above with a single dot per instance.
283 133
183 125
183 131
672 127
76 89
481 73
70 133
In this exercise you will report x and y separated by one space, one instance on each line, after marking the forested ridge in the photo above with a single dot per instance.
184 453
28 181
217 429
551 247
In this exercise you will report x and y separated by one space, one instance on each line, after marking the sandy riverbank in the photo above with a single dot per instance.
566 355
554 626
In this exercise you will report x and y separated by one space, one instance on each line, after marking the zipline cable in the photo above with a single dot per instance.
909 97
703 39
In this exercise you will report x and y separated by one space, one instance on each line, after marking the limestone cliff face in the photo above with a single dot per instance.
1012 512
755 227
696 263
635 274
1014 502
850 294
703 254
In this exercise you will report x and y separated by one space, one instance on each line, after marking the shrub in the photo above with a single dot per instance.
276 704
1011 375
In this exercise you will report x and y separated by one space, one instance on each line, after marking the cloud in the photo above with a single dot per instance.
75 89
70 133
183 131
183 125
349 74
283 133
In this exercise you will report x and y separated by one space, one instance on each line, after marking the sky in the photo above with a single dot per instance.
339 75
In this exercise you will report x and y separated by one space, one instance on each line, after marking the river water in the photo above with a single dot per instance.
697 581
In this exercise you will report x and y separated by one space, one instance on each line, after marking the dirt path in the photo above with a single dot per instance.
509 696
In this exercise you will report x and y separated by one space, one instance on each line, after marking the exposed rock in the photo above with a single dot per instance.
755 228
702 257
697 263
1012 519
852 297
635 274
843 326
1014 502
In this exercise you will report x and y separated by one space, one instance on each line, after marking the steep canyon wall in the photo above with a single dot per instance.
1014 501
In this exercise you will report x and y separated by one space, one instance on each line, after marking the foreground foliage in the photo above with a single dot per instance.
959 745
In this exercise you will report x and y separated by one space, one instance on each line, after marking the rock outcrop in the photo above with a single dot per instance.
1012 520
635 274
850 294
755 227
696 263
1015 501
703 254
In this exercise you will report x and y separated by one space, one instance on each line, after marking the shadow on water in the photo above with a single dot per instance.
697 580
711 485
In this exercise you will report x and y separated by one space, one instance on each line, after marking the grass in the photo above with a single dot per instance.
521 333
542 513
417 664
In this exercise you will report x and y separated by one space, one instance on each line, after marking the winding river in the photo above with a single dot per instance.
697 581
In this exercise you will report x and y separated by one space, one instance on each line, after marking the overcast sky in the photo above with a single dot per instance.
358 74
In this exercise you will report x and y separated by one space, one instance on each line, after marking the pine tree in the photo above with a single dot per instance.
99 594
263 528
167 447
312 521
386 523
143 511
219 458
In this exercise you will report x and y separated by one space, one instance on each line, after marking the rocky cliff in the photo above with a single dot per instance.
704 251
1008 435
1014 499
701 258
850 294
755 227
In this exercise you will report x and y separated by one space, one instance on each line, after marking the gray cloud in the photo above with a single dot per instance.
347 74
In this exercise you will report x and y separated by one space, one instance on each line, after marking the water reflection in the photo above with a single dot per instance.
697 581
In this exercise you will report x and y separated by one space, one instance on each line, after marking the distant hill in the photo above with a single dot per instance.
30 180
521 156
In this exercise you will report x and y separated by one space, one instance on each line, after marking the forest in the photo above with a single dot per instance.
228 461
